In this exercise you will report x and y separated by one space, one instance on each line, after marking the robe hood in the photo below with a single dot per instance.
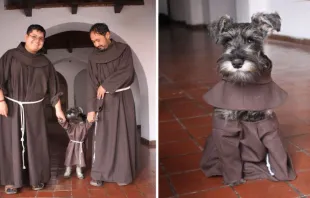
29 59
262 95
114 51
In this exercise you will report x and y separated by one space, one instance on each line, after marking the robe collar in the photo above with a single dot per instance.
29 59
112 52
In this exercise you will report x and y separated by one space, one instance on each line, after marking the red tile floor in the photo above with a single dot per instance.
143 186
187 60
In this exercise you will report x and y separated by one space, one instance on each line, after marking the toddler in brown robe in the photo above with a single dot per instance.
77 128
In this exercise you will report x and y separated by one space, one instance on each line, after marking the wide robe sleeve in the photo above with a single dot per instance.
88 125
4 72
123 76
64 123
53 86
92 87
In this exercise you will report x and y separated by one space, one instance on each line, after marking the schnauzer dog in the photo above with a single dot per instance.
244 60
245 142
77 128
76 115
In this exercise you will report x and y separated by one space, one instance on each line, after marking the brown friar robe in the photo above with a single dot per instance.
248 150
77 133
25 77
116 139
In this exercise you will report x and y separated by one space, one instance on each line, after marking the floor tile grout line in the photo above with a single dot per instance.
164 121
303 170
291 185
187 118
296 147
204 190
235 191
186 92
300 149
172 82
123 191
191 137
168 177
179 173
295 189
162 167
166 77
178 155
171 186
183 126
297 135
181 140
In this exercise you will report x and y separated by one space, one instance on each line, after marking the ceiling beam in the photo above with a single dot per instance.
74 7
28 4
118 7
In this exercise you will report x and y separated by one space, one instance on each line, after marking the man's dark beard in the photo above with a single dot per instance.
101 49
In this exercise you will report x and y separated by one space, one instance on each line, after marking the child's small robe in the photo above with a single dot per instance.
77 133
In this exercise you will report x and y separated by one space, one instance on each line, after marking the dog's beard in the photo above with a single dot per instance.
246 74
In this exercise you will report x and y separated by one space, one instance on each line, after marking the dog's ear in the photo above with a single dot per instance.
217 27
81 110
267 22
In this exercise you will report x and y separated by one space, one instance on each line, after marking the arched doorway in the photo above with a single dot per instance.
140 86
79 89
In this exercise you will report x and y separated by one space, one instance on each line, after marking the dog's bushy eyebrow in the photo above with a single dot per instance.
253 33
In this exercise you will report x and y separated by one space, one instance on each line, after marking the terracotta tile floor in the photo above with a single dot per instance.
186 71
143 186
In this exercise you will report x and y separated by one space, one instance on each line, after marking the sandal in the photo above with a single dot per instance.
96 183
123 184
40 186
10 190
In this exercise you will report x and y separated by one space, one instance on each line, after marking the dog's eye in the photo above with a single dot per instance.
250 40
226 40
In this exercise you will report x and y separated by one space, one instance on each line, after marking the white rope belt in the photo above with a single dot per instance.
268 165
81 149
94 155
122 89
22 121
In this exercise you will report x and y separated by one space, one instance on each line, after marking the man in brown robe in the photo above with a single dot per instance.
26 78
116 139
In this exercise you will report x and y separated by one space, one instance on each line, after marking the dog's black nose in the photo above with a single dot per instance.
237 63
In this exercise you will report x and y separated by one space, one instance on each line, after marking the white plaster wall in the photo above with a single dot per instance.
218 8
295 14
259 6
195 12
242 11
79 89
179 10
136 25
191 12
72 64
196 15
295 17
69 68
206 11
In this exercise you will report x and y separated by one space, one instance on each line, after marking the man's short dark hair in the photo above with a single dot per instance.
36 27
99 28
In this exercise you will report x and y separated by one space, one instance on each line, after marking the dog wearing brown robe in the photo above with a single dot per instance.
77 128
245 142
